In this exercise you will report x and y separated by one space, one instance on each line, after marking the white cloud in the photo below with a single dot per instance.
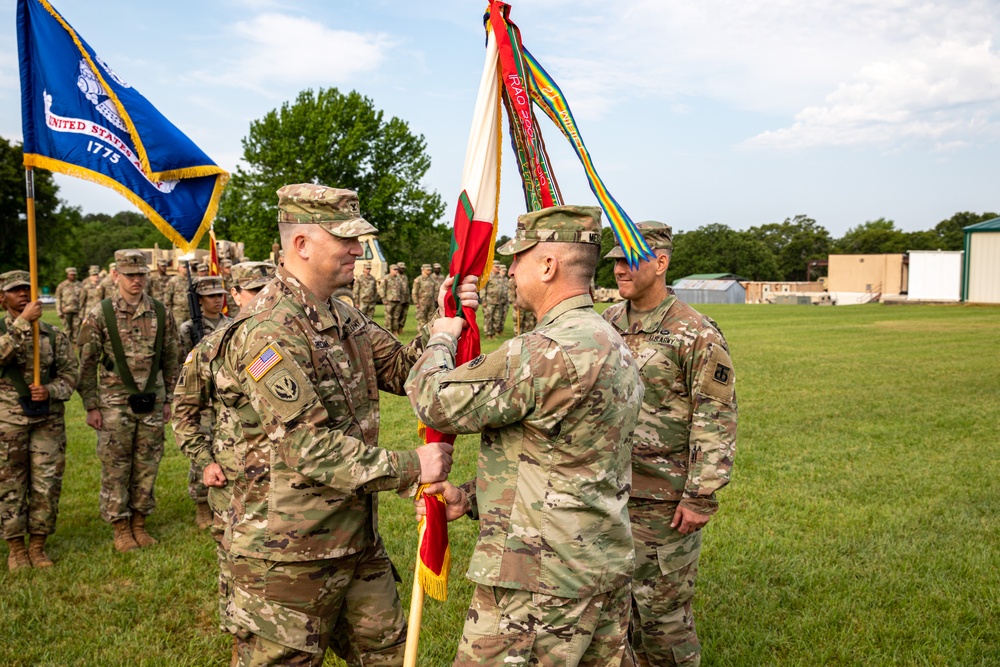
290 52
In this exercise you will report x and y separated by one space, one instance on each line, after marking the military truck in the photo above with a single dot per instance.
173 256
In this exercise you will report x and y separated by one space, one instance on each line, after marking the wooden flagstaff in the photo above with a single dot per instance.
29 181
416 609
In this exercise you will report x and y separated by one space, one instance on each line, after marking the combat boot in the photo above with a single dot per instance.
36 551
203 517
18 557
123 536
139 531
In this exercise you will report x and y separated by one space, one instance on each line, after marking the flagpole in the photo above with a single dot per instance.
416 609
29 182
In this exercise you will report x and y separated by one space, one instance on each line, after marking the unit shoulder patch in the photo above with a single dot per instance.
717 379
484 367
283 386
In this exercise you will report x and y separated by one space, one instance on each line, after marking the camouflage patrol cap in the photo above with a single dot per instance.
436 265
94 270
366 265
425 267
209 286
252 275
556 224
400 265
658 235
112 265
393 267
335 210
12 279
70 269
226 263
131 261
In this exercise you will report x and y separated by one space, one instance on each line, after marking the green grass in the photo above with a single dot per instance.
860 527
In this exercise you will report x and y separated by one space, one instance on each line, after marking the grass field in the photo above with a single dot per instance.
861 526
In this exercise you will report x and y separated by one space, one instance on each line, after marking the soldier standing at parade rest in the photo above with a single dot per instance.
556 408
93 292
424 295
69 294
394 297
494 298
157 285
128 356
177 294
107 283
201 269
438 277
303 371
32 438
211 298
206 430
365 291
682 449
404 286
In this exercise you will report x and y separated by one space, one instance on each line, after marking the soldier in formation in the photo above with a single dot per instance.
93 292
176 299
158 281
32 429
108 281
232 305
424 295
395 300
524 319
201 269
494 298
69 295
556 408
682 449
438 277
366 291
128 356
310 522
206 430
211 299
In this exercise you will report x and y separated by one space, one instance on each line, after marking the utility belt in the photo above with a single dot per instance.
14 374
139 402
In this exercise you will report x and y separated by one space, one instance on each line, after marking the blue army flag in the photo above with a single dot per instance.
81 119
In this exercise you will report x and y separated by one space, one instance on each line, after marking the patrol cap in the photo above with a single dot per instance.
12 279
366 265
252 275
112 265
436 265
556 224
334 209
70 269
227 263
131 261
658 235
400 265
425 267
94 270
209 286
393 267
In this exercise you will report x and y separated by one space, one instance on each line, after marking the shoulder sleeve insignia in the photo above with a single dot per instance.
263 362
717 378
189 358
477 361
721 373
284 387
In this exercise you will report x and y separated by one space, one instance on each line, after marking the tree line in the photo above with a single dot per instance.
343 140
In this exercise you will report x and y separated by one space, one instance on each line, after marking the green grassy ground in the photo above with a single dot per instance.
860 527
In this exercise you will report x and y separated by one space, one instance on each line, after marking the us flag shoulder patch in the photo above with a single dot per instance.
264 362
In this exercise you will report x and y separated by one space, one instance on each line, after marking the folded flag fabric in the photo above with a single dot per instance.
434 552
80 118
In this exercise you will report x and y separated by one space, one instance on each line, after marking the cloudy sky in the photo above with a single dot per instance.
695 111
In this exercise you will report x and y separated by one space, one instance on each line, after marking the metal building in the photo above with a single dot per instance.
935 275
981 272
710 291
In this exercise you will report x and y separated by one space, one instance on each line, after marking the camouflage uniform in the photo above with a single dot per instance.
306 559
177 298
129 445
556 407
69 295
494 299
395 299
438 277
524 320
424 296
107 283
682 453
204 286
157 286
93 292
32 449
365 294
205 429
228 282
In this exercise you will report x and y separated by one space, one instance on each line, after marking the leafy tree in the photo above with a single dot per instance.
339 140
948 233
716 248
874 237
605 276
52 219
794 242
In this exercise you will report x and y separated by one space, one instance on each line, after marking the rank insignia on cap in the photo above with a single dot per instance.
721 374
264 362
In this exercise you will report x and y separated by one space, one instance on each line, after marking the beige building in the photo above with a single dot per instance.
763 291
981 280
863 278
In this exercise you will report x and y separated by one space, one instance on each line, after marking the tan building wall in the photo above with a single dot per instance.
758 291
885 274
984 268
